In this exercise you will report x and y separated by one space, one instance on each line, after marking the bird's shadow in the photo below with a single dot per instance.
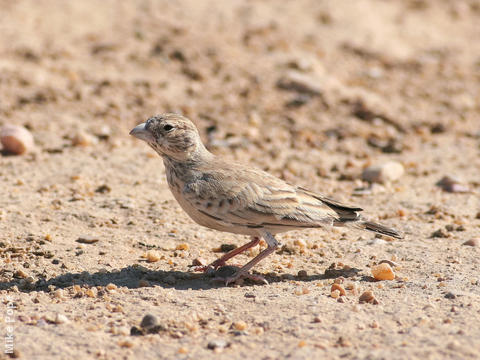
134 277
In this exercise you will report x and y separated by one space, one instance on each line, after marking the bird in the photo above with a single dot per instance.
232 197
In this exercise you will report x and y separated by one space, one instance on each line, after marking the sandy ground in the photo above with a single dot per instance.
381 80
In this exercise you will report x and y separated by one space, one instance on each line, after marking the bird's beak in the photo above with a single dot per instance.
140 132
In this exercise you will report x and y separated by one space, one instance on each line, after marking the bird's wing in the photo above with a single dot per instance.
254 198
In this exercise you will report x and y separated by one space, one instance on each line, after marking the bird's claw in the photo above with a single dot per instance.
229 274
210 269
207 269
239 275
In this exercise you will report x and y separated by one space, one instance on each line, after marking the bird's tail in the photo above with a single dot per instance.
378 228
349 216
363 224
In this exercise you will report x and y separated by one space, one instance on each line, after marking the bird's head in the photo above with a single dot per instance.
171 135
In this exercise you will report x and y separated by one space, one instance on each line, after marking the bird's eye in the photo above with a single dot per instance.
168 127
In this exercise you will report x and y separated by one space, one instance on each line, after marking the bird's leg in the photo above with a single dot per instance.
243 271
222 260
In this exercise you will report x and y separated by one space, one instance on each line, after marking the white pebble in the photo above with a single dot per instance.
152 256
301 83
16 139
387 172
82 138
61 319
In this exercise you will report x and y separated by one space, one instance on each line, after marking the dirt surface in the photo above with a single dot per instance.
311 91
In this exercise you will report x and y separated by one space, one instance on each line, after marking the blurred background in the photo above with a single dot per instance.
255 75
315 92
350 77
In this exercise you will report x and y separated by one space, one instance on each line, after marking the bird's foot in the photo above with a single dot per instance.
233 274
210 268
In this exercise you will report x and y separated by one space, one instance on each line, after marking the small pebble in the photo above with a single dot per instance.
198 262
302 343
300 243
149 321
222 329
438 128
301 63
122 330
368 297
301 83
81 138
302 291
217 344
298 101
383 272
440 233
227 247
239 325
182 350
125 344
302 274
387 172
20 274
111 287
191 326
152 256
104 132
135 331
58 294
339 288
402 212
102 189
16 140
182 247
449 227
87 239
450 295
118 309
258 330
472 242
92 292
351 287
335 294
61 319
450 184
41 323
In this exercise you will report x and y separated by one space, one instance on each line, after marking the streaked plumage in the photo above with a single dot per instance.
232 197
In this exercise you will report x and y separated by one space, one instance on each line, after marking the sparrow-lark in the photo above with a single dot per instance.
227 196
